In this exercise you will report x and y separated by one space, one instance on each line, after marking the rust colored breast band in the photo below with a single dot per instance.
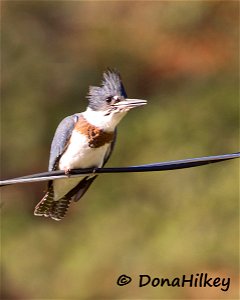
96 136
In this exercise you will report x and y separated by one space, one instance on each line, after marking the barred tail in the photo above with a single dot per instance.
59 208
47 207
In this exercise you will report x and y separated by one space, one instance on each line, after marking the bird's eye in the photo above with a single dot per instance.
109 99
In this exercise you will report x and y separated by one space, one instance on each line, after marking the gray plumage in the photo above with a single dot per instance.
61 139
111 86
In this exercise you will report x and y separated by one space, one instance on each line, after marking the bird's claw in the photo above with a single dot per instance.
67 172
94 170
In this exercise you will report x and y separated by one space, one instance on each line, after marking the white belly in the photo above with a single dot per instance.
78 155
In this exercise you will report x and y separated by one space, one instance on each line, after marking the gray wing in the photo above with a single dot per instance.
60 140
83 186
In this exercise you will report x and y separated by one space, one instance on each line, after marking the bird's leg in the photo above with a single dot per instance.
67 172
94 170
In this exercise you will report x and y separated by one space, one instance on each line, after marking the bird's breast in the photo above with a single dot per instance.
87 146
96 136
80 155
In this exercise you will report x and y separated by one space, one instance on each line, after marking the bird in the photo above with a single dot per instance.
85 140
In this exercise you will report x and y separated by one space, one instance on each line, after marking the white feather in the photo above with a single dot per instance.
103 121
78 155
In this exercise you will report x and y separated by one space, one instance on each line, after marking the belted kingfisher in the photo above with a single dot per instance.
85 140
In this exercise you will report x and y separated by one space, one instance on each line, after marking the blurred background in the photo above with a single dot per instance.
183 58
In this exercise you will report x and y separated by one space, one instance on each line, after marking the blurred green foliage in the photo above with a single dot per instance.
183 57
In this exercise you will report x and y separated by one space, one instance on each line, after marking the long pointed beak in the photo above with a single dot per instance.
130 103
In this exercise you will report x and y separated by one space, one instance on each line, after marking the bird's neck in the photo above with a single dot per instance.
101 120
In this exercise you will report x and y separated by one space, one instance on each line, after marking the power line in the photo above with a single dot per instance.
160 166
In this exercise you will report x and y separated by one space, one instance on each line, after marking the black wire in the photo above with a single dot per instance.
162 166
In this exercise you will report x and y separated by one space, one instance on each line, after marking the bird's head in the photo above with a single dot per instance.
108 103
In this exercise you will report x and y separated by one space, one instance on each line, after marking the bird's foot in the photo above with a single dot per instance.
67 172
94 170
